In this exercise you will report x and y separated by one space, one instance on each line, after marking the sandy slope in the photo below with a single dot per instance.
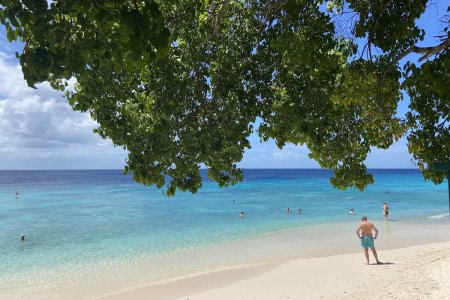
419 272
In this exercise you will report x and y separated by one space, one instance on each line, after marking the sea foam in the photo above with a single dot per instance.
439 216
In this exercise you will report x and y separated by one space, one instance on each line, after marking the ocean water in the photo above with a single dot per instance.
96 232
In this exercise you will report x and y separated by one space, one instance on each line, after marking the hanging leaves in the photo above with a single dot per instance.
179 84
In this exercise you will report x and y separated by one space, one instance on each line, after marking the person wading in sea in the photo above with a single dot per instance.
364 232
386 210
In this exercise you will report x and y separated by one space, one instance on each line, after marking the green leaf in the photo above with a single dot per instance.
285 66
12 35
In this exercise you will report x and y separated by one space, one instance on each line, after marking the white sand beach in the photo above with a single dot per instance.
417 272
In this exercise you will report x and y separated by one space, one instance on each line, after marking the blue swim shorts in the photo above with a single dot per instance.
367 242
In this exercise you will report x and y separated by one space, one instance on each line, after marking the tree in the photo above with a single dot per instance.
179 84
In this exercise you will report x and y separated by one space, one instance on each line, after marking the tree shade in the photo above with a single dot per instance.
179 84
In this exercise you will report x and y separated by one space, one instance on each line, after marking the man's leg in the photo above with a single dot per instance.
366 252
374 254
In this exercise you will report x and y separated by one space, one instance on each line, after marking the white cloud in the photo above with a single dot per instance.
268 155
290 152
38 128
12 84
397 156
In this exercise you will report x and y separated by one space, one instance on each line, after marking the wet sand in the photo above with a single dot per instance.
322 263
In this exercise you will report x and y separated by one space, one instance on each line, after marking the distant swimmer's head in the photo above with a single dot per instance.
22 237
364 218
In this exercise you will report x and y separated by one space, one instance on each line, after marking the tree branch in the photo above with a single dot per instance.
428 51
433 50
219 16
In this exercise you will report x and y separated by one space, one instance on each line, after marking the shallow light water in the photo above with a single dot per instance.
98 232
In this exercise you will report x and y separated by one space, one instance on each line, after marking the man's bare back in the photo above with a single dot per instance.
366 228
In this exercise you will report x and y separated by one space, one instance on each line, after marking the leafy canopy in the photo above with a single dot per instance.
180 83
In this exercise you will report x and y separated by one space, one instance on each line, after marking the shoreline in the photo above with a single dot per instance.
213 267
324 276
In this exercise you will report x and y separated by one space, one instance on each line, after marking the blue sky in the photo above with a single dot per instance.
39 130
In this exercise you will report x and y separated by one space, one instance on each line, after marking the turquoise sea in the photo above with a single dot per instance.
99 231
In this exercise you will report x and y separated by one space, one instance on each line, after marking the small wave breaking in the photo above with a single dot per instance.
439 216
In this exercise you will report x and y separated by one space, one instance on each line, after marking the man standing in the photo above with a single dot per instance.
386 210
364 232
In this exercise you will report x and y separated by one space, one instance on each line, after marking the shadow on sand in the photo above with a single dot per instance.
383 264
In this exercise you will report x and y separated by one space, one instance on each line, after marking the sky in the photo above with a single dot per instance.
40 131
